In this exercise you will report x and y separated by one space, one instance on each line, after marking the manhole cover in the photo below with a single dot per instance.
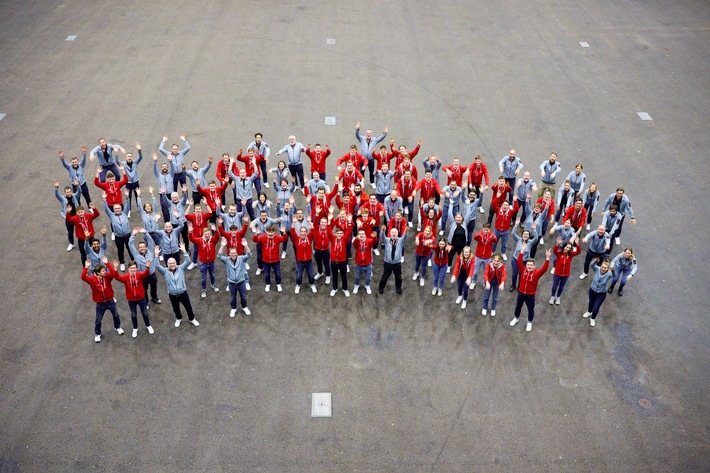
645 403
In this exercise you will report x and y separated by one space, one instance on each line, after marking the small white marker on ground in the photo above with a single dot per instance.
71 37
330 41
584 44
321 405
2 115
330 120
644 116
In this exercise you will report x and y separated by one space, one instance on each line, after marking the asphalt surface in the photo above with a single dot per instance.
417 383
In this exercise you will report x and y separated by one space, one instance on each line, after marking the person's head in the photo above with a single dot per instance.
592 187
95 245
546 195
373 199
175 149
284 184
164 168
441 243
628 253
242 173
357 188
342 214
601 230
383 150
505 206
466 252
452 184
578 169
385 168
257 138
102 143
68 192
129 158
75 162
501 181
567 248
346 198
195 166
393 195
323 223
172 264
427 231
175 197
353 150
368 134
402 149
478 159
394 233
511 153
613 209
427 174
497 261
566 185
398 215
361 235
486 228
100 270
206 233
338 233
434 158
619 192
287 206
431 201
408 175
530 264
299 215
262 197
233 253
318 148
365 212
567 223
233 229
431 213
456 161
250 152
458 218
349 166
472 195
142 248
270 231
553 157
110 178
198 209
316 175
406 159
132 268
320 193
281 165
526 176
525 235
263 216
292 140
604 267
537 209
578 203
168 227
225 158
117 209
232 210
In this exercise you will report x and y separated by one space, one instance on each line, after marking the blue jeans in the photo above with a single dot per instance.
367 270
487 293
101 308
133 306
267 272
439 275
558 284
421 262
478 264
596 299
204 268
514 271
461 284
306 266
503 238
250 209
620 275
114 169
233 290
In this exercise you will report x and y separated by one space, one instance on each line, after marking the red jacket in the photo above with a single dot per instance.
406 188
401 226
503 219
345 224
248 165
321 238
222 171
349 178
304 246
318 160
499 197
380 159
359 161
317 214
550 209
134 284
476 174
431 222
484 245
377 210
366 225
428 189
529 279
578 218
199 222
563 262
113 191
456 174
207 249
463 265
441 257
270 252
338 249
401 169
492 274
234 240
212 196
82 225
398 155
101 290
363 250
423 248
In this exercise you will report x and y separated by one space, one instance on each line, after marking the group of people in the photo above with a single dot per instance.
332 229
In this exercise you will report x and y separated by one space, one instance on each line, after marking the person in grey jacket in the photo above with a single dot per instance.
121 228
76 173
599 243
367 146
509 168
394 247
174 276
598 290
295 164
622 202
176 158
106 153
236 275
262 148
130 167
624 267
71 198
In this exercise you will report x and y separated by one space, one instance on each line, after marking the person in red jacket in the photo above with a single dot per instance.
339 240
206 247
562 268
214 195
102 294
233 236
383 157
494 278
440 266
252 163
504 218
270 254
454 172
485 239
135 293
199 220
222 172
576 214
318 157
529 277
406 188
461 274
500 189
404 166
427 188
83 225
362 245
111 187
425 243
320 203
321 248
402 150
303 242
352 156
348 177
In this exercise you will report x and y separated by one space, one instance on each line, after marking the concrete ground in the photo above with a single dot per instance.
417 383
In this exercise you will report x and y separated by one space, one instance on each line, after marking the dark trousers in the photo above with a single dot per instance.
235 288
133 306
176 255
179 179
121 246
461 285
322 258
589 257
558 285
248 205
306 266
267 272
151 282
82 251
523 211
101 308
588 208
183 299
455 251
341 268
259 260
70 231
371 168
204 269
511 182
596 299
105 169
184 237
297 174
529 301
131 187
264 175
84 192
389 269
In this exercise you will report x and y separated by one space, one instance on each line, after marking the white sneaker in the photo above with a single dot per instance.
97 338
267 288
480 209
178 322
247 266
372 184
266 184
448 269
283 255
348 268
410 224
232 313
248 286
439 292
355 289
129 214
134 334
429 263
528 327
617 241
471 286
204 294
70 247
246 310
347 293
377 251
161 258
433 292
416 275
191 266
505 257
484 312
493 313
318 276
592 322
195 323
113 236
402 260
279 288
552 300
552 271
557 301
463 305
583 275
215 288
588 227
258 271
313 288
150 330
119 331
514 322
421 281
327 279
368 290
123 267
333 292
441 232
586 314
297 290
459 299
541 242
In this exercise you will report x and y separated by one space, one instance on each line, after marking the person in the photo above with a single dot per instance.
111 187
611 219
236 275
303 243
384 182
197 222
165 179
68 198
404 166
224 167
133 280
145 252
312 185
348 177
529 277
523 244
485 239
524 189
426 188
475 175
622 202
494 279
211 195
577 179
549 170
262 148
243 186
577 215
263 203
471 205
599 243
174 276
500 190
461 275
452 198
456 239
261 223
358 161
363 244
205 247
440 266
169 241
394 250
321 249
339 257
176 158
105 152
295 164
77 175
425 242
433 164
591 199
624 267
431 219
96 250
121 230
102 295
564 199
563 264
547 207
504 217
130 167
598 290
83 225
406 190
281 172
509 168
367 147
269 243
402 150
149 217
252 164
197 173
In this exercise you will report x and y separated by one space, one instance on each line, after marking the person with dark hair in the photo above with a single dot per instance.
529 277
133 280
102 294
